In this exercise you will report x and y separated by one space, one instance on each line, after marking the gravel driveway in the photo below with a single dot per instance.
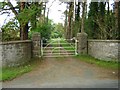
65 73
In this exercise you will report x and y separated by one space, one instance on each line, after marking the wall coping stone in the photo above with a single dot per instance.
15 42
95 40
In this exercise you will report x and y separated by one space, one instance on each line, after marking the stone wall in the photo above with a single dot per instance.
15 53
104 49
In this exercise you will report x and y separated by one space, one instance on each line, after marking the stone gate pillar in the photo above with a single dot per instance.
36 45
82 43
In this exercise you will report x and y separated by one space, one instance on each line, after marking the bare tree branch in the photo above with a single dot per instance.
5 12
12 8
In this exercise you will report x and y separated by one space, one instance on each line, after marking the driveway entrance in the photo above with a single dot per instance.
65 73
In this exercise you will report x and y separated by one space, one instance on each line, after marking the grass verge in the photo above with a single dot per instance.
13 72
101 63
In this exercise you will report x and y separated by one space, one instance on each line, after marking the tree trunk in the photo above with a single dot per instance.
69 31
72 21
23 27
23 31
47 15
65 25
77 18
69 22
44 11
119 22
83 16
108 11
116 18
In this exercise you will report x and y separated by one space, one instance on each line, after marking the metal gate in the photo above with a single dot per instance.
59 47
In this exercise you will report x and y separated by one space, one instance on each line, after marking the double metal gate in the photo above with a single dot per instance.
59 47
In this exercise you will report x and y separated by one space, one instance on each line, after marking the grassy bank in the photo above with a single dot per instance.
101 63
13 72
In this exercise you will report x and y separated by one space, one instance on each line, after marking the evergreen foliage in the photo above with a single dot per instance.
99 22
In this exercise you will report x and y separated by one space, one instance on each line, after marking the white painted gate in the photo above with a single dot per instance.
59 47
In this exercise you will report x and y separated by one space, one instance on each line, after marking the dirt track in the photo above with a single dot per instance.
65 73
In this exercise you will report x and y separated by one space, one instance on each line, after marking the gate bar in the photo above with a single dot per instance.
41 47
76 41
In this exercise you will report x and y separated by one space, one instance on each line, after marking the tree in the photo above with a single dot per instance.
100 20
92 16
117 18
83 16
77 22
24 12
35 9
20 7
119 22
77 15
101 11
10 31
103 22
70 14
66 22
44 28
58 31
23 26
